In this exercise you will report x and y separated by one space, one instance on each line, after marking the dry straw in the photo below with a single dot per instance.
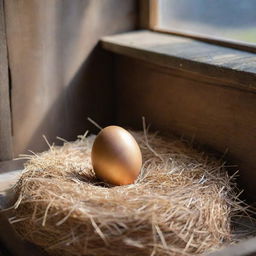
181 204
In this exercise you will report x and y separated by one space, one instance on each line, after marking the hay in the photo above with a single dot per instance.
181 204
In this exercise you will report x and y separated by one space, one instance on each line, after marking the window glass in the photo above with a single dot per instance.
229 19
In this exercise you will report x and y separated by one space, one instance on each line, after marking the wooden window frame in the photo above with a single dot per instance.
149 10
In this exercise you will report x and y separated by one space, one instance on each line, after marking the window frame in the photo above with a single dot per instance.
149 10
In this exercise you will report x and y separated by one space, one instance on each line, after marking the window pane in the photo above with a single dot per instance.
229 19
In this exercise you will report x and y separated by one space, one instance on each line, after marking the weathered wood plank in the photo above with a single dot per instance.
226 64
211 113
59 74
5 113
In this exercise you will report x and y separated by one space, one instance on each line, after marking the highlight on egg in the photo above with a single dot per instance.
116 156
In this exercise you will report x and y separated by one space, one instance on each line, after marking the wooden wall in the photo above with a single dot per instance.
5 114
196 107
59 75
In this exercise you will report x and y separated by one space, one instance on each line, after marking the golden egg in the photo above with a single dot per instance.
116 156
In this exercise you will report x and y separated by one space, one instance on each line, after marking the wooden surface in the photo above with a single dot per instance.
11 243
245 248
59 74
7 181
8 166
5 113
201 109
148 13
236 68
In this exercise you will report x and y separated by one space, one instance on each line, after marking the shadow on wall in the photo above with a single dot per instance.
60 75
89 94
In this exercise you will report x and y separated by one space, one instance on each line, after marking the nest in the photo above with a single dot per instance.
181 204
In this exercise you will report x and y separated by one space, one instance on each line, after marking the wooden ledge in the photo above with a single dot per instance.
234 67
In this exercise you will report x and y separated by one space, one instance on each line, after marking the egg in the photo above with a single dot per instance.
116 156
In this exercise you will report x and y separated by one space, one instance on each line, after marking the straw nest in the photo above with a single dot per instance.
181 204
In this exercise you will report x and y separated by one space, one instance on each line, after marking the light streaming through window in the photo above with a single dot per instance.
228 19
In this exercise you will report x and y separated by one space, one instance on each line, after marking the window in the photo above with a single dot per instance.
229 21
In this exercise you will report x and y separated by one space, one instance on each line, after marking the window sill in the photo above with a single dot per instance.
234 67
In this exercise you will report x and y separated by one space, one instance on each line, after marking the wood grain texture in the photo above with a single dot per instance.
5 113
209 112
59 74
231 66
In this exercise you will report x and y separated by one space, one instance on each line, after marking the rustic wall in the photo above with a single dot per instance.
59 76
198 108
5 117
